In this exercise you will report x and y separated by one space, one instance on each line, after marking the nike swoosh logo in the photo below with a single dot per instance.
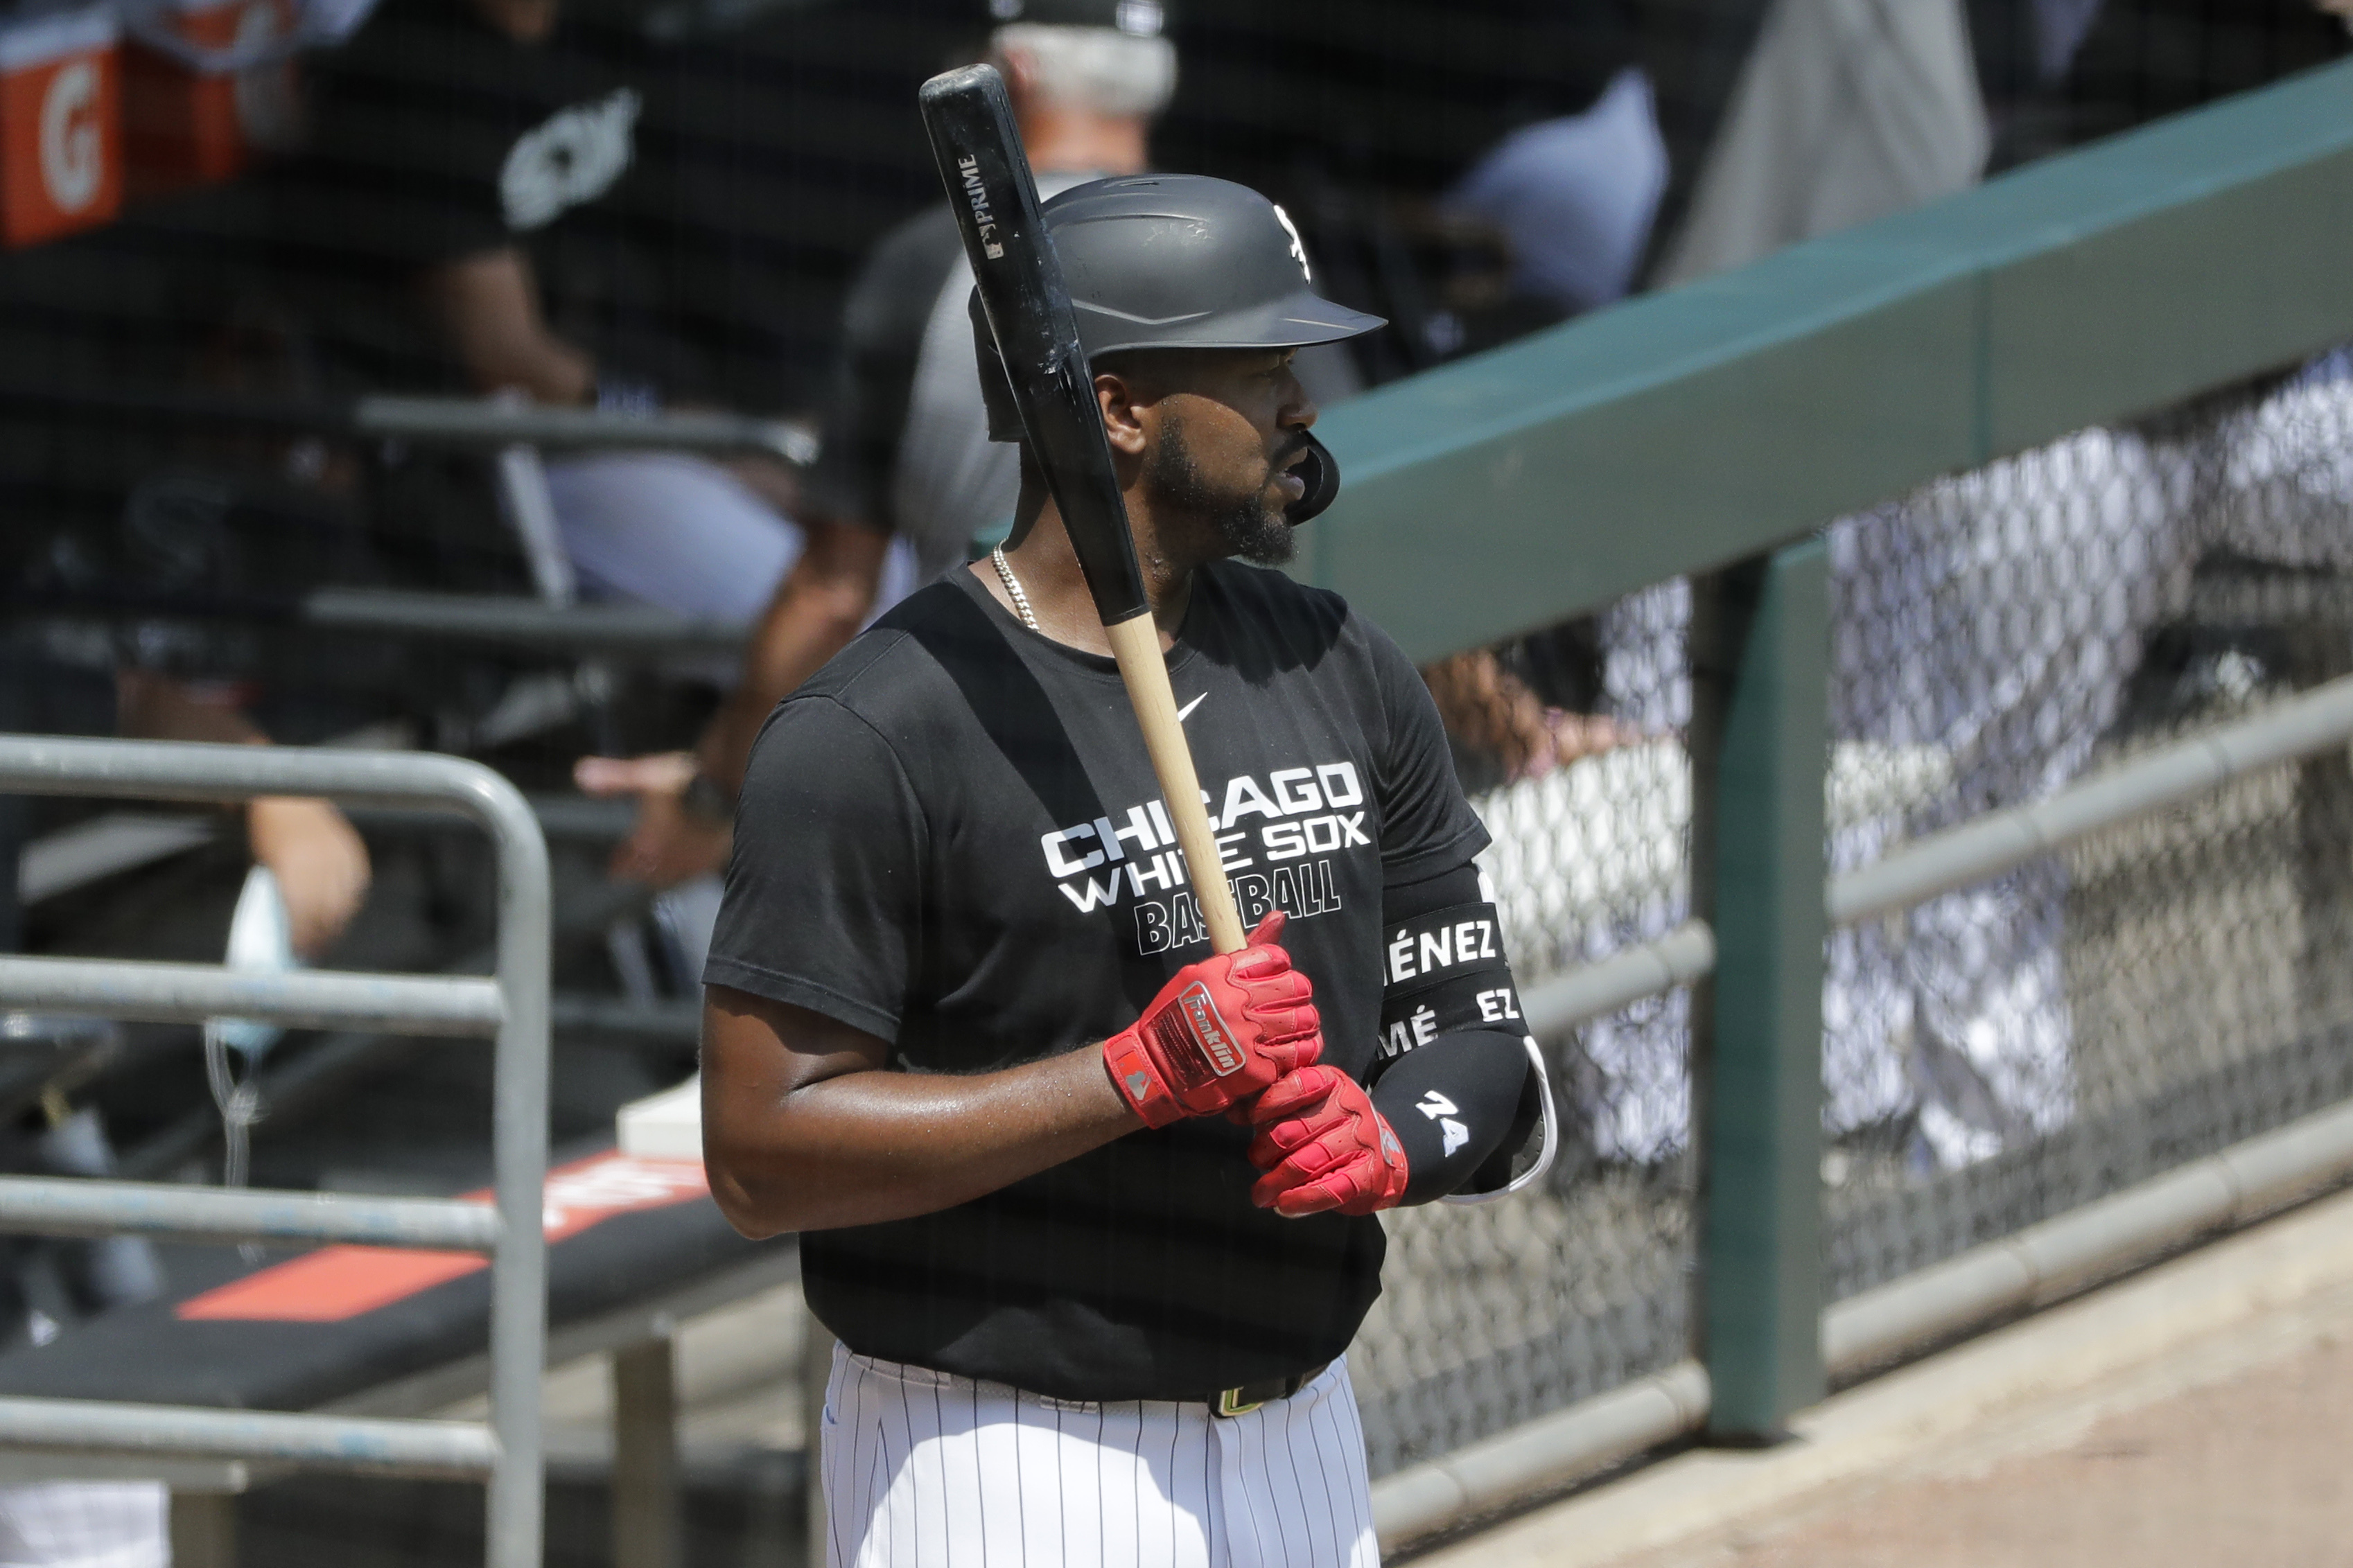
1186 712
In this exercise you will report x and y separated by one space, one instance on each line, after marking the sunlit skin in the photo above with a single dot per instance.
320 861
803 1126
1239 416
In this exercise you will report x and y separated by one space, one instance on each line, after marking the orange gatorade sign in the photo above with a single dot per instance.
202 87
337 1283
61 141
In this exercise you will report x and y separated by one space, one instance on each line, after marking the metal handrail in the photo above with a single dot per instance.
1977 850
1990 845
1678 958
498 620
434 421
464 1450
155 993
513 1007
484 422
513 622
40 1206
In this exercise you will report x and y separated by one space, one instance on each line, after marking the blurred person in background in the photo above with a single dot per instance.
1472 171
309 845
907 455
1573 195
1845 110
1960 1024
472 171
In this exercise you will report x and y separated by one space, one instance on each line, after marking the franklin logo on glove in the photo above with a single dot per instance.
1209 1032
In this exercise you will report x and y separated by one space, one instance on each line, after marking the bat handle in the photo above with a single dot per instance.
1136 644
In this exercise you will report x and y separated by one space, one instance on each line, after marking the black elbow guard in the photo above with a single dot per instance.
1452 1105
1474 1112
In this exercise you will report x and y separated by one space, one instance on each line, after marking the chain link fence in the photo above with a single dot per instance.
1493 1314
2166 987
1996 1055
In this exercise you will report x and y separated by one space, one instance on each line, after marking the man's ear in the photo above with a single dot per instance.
1122 413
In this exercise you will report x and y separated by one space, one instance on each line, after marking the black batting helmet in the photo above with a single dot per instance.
1180 261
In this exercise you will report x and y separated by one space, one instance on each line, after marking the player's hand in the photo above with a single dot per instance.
1219 1031
667 845
320 862
1323 1145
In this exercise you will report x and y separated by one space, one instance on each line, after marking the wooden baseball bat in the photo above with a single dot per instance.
1027 306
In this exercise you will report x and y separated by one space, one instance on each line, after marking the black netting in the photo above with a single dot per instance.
1996 1055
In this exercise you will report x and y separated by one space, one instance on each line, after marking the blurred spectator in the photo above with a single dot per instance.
1846 110
318 860
321 865
907 452
472 157
2138 60
2023 47
1573 196
1506 722
1471 170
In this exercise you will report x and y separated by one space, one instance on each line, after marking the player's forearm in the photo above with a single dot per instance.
873 1146
489 305
806 626
817 610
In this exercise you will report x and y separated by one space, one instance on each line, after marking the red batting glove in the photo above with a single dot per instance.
1219 1031
1323 1146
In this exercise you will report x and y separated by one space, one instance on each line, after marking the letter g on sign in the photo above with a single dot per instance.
73 142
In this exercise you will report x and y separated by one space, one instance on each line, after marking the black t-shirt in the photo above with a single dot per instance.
2144 58
2136 61
951 838
883 324
436 137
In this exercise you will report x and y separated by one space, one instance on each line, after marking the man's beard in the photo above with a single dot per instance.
1252 530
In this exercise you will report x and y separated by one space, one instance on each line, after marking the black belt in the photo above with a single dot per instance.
1243 1398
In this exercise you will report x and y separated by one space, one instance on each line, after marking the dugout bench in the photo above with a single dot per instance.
636 1246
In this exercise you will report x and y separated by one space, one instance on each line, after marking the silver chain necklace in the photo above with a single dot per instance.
1013 589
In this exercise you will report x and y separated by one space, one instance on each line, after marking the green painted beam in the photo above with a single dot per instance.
1760 672
1688 429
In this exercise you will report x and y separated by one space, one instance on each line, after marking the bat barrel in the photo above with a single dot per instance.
977 149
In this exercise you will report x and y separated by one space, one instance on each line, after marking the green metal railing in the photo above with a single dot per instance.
1708 431
1691 430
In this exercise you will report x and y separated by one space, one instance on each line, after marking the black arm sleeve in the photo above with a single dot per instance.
1455 1080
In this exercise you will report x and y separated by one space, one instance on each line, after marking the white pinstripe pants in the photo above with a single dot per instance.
924 1469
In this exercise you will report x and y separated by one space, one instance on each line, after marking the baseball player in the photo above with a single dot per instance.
1089 1207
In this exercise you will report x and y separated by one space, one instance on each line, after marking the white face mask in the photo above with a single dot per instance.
261 942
